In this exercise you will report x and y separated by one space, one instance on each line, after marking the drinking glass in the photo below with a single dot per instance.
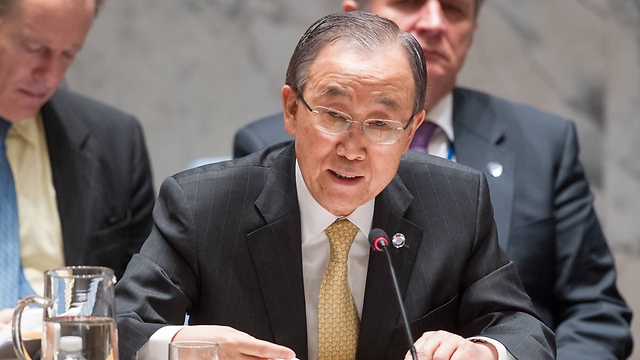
79 305
193 350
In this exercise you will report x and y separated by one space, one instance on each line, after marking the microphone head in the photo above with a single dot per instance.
378 238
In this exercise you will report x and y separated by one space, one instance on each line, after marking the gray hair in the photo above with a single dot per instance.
7 5
367 31
365 4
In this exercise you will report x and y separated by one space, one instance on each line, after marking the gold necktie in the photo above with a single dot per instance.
338 322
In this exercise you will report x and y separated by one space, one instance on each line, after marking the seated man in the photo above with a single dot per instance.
543 206
272 248
75 180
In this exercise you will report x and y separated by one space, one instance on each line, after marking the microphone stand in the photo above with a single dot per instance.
385 249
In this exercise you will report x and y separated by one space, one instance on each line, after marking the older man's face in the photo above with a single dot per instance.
38 41
346 170
444 28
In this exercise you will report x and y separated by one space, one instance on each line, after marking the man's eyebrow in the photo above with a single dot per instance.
334 92
388 103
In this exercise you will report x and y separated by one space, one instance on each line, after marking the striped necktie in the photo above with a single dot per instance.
338 322
14 285
9 231
423 136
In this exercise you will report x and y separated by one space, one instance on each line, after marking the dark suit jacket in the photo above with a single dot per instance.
544 214
102 178
226 248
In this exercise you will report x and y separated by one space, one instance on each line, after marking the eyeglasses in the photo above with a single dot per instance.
334 122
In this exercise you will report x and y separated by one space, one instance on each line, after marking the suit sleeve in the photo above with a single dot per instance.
160 282
142 195
493 302
592 319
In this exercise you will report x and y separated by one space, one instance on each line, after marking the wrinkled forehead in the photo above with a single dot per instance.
380 76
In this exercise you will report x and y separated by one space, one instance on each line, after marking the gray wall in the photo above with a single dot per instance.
194 71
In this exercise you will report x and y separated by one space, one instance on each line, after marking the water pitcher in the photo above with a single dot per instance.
79 314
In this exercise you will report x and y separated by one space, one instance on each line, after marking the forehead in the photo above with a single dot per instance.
40 10
55 22
348 71
416 4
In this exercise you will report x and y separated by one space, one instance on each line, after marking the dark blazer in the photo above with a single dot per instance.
544 215
226 248
102 178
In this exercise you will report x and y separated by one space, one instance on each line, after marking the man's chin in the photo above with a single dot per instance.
20 114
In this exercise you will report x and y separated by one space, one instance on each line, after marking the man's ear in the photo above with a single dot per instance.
350 5
417 121
289 109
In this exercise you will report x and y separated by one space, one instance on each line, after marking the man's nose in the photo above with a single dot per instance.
431 19
48 69
352 143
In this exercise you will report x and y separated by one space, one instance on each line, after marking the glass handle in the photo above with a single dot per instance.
18 346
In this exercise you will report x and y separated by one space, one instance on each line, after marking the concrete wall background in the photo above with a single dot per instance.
194 71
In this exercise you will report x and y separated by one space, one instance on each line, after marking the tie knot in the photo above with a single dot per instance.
423 136
341 235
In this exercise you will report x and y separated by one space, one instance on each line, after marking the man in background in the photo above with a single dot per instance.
75 179
543 205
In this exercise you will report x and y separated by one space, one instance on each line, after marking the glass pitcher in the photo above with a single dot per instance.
79 305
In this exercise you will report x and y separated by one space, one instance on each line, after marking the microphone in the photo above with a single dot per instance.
380 242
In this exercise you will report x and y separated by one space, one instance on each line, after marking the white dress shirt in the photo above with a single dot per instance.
315 259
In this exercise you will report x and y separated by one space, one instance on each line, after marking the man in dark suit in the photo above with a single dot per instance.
543 206
75 172
260 247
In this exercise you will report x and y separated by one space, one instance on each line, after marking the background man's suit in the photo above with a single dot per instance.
544 215
102 177
226 247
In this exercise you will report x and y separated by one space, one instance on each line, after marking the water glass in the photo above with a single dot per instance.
193 350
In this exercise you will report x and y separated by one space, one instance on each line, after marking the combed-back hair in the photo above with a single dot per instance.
357 28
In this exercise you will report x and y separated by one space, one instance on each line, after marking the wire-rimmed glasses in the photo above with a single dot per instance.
335 122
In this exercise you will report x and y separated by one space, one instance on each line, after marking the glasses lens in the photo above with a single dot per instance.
382 131
330 120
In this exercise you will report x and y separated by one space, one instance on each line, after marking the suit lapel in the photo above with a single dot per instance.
478 135
276 250
71 167
380 313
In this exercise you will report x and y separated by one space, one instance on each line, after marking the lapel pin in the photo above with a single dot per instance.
398 240
495 169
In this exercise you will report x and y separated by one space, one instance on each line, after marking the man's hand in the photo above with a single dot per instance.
5 317
234 344
442 345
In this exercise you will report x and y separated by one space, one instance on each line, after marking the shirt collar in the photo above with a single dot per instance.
27 129
314 218
442 115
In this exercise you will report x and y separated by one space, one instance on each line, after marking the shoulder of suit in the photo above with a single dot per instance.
414 160
90 111
508 111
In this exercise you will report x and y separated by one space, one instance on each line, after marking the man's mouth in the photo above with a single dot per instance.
34 94
343 176
432 53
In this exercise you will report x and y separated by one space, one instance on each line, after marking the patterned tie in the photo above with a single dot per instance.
10 268
338 322
422 136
